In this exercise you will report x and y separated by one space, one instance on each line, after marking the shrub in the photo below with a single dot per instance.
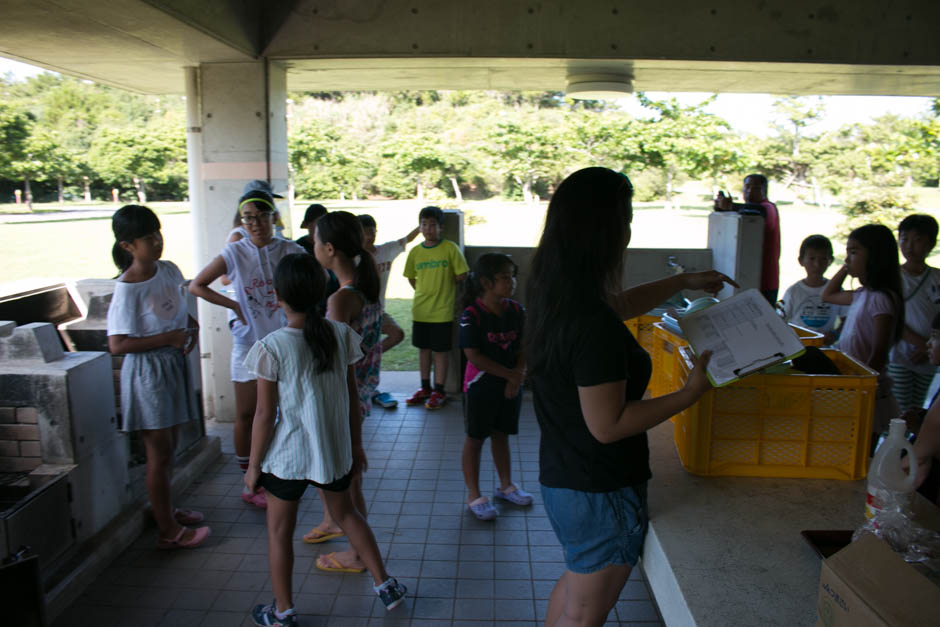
868 204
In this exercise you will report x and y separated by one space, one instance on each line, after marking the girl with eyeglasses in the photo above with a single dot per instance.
249 263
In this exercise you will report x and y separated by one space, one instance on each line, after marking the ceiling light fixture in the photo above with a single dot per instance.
599 86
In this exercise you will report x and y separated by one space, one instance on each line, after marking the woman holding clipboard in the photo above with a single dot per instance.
588 376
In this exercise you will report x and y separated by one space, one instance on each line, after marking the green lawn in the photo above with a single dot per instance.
404 356
79 245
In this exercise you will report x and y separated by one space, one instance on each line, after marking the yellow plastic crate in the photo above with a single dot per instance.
642 329
785 425
808 336
643 332
665 377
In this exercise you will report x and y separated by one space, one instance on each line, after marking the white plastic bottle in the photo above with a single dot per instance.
888 484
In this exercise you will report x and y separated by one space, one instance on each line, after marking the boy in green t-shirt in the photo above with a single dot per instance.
433 268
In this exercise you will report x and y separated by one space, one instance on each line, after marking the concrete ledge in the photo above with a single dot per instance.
85 563
662 581
728 550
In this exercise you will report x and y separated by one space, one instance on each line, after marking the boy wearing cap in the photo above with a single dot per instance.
313 213
249 263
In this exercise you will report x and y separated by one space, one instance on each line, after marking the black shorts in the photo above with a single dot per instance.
293 489
489 410
434 335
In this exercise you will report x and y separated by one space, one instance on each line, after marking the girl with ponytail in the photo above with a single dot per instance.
338 246
149 324
306 380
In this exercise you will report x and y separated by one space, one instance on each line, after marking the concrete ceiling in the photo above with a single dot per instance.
777 46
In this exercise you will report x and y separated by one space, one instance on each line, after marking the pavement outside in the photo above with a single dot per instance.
458 570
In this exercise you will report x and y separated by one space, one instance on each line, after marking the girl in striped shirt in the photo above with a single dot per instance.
306 381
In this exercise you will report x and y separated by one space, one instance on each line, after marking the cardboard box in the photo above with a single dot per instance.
866 584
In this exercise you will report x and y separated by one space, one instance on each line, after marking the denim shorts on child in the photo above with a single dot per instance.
293 489
598 529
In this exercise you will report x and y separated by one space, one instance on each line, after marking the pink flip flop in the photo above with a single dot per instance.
199 536
187 516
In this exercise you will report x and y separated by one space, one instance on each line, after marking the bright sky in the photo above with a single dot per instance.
749 113
753 113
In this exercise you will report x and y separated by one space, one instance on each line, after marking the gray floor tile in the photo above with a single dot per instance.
183 618
221 619
473 609
189 599
436 568
459 570
429 587
356 605
513 609
433 608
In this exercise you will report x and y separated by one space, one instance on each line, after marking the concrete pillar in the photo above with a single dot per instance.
237 133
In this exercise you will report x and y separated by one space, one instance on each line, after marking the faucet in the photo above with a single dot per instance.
673 262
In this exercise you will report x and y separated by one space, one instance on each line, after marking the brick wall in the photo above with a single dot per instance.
19 439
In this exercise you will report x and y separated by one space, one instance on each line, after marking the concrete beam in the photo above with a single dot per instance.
867 32
776 46
125 43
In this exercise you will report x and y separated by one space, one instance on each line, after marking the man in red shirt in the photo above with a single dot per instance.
755 201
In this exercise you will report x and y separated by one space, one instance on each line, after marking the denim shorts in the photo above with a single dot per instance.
598 529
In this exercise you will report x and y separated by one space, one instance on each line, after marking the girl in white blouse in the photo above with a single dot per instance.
307 430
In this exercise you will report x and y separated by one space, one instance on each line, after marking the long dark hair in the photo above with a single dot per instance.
882 267
301 282
487 266
128 223
579 259
344 231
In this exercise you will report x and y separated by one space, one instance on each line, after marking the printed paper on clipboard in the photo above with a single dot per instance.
744 334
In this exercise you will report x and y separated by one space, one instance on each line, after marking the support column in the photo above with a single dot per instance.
237 132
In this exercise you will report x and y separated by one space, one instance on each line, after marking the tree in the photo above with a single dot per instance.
420 157
15 126
527 147
134 157
328 163
686 139
798 113
783 156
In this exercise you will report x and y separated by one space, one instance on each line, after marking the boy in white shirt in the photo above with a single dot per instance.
802 303
384 255
909 367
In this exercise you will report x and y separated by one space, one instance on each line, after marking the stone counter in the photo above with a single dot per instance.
728 550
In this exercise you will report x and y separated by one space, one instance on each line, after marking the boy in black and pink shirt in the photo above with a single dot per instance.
491 337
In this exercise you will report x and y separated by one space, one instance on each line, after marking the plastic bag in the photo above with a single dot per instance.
895 525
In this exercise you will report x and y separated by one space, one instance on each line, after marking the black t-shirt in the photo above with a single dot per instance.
306 242
596 348
497 336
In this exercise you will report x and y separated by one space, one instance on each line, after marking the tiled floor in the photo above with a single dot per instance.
459 571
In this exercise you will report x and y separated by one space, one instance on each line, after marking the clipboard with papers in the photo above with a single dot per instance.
745 335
